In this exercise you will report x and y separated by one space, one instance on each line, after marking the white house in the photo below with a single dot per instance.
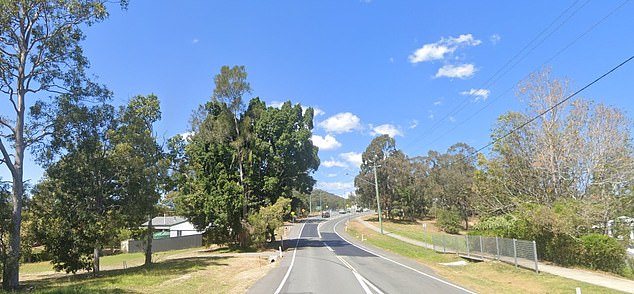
172 226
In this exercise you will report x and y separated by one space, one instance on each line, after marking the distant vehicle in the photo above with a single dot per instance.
342 211
366 209
325 214
359 209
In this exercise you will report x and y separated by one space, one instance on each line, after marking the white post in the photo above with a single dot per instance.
280 248
515 251
578 290
535 255
497 248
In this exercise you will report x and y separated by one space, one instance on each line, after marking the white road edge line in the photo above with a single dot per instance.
372 285
318 232
288 272
359 278
361 281
398 263
328 247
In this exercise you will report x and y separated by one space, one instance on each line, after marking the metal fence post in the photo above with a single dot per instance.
444 244
497 248
467 238
481 249
515 251
535 255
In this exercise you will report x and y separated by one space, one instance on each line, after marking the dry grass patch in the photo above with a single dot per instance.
183 271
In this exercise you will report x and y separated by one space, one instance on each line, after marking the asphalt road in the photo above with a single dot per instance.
320 260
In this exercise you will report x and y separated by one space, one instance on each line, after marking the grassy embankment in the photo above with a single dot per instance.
483 277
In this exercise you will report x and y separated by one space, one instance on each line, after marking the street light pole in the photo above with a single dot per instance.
310 203
378 202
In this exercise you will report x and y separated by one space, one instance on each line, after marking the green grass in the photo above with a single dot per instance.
180 271
106 262
483 277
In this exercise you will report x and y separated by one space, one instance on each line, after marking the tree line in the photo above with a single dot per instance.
565 176
236 175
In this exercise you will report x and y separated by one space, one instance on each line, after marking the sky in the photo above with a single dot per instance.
428 73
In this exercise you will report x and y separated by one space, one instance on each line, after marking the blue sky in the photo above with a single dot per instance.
421 71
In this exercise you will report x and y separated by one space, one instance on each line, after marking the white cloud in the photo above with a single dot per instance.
479 94
452 119
276 104
437 103
386 129
334 163
341 123
413 124
430 115
187 135
327 142
195 41
352 157
318 111
331 175
335 185
438 50
462 71
495 39
391 59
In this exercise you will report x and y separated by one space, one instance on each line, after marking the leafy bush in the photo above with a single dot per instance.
449 221
564 249
499 225
603 253
262 224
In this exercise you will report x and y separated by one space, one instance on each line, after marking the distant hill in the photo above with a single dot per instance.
329 200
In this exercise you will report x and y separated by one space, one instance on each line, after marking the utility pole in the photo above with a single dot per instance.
310 203
378 202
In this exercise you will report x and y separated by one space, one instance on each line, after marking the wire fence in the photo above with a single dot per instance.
518 252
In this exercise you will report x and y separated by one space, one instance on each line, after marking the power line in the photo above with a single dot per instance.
492 78
557 54
553 107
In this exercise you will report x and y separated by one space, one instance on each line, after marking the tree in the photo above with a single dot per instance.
76 206
141 164
376 154
280 156
40 52
239 160
452 175
103 174
231 86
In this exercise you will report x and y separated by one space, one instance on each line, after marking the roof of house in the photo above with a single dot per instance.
166 221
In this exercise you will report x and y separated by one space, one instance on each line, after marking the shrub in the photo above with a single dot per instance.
449 221
500 225
603 253
262 224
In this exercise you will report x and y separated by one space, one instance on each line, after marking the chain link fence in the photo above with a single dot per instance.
518 252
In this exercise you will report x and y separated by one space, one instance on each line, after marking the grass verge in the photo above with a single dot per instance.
181 271
484 277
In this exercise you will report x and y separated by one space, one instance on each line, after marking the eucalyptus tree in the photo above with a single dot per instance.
374 158
40 56
141 165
